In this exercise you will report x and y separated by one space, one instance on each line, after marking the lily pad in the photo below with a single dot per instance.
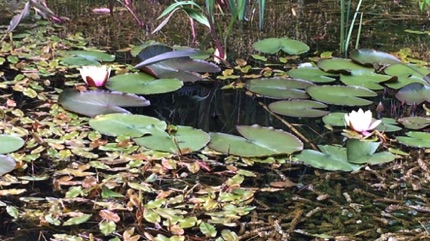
360 152
126 125
341 95
184 138
280 88
141 83
299 108
91 55
372 57
334 119
365 79
344 66
313 74
415 139
97 102
7 164
331 158
10 143
388 125
414 94
287 45
406 74
259 141
79 61
415 123
183 68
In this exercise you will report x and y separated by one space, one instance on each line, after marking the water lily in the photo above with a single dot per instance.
95 76
361 121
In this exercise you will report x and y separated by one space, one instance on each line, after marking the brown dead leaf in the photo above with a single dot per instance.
127 235
13 191
109 215
283 184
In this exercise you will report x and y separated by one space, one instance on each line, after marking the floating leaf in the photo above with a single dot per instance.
77 220
91 55
97 102
365 79
415 123
415 139
334 119
258 141
341 95
338 65
280 88
371 57
332 158
414 94
388 125
107 227
184 138
141 83
183 68
298 108
406 74
7 164
313 74
10 143
360 152
168 55
287 45
207 229
126 125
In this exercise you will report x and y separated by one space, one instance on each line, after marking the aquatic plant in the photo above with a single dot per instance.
361 121
95 76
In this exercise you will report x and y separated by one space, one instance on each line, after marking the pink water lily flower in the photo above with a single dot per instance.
95 76
361 121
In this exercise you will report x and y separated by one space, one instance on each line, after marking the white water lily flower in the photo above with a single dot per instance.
361 121
95 76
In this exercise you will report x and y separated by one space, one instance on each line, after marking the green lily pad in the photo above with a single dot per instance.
334 119
388 125
372 57
184 138
126 125
415 139
298 108
344 66
313 74
366 79
360 152
280 88
141 83
273 45
415 123
406 74
341 95
414 94
10 143
7 164
91 55
97 102
259 141
79 61
331 158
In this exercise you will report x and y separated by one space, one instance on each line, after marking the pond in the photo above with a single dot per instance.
313 168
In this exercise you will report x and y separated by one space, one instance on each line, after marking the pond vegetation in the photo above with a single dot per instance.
336 148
